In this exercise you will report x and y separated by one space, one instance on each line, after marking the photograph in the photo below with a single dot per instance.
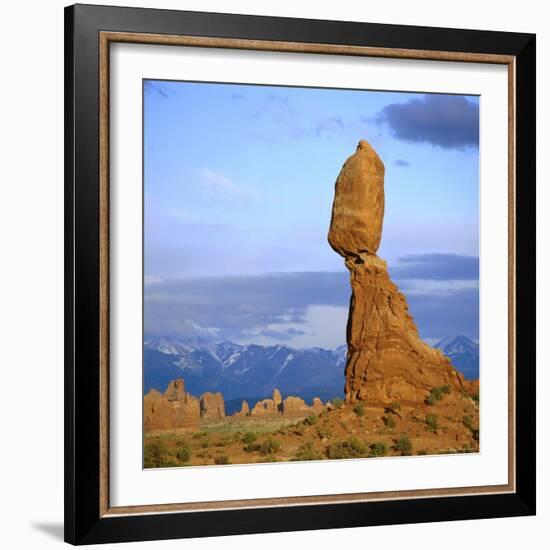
310 274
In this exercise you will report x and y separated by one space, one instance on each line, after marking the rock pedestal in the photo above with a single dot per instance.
386 359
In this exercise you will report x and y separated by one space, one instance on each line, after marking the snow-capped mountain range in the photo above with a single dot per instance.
463 353
253 371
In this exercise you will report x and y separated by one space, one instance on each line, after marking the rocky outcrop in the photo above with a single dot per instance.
265 407
317 406
245 409
277 398
295 406
212 406
173 409
386 360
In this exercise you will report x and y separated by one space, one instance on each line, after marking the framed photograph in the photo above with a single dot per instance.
300 274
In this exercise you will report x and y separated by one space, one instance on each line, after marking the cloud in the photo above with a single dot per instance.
150 87
238 97
329 126
221 186
402 163
449 122
278 306
439 267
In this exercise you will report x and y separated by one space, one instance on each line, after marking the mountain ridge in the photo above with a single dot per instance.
248 371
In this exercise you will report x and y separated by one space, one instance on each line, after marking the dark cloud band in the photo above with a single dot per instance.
450 122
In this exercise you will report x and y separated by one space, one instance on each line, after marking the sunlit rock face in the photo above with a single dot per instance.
387 360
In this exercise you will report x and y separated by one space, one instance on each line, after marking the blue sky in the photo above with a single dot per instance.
238 188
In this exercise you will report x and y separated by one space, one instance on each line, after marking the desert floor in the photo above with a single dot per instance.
446 423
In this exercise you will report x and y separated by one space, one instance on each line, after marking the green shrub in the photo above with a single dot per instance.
430 400
404 445
446 389
359 410
311 419
475 434
337 403
307 452
153 455
269 446
378 449
222 459
431 421
350 448
323 432
475 397
389 421
394 406
184 451
249 437
467 421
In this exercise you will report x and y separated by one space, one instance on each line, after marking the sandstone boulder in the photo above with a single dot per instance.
358 207
212 406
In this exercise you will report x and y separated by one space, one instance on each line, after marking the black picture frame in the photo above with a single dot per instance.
84 524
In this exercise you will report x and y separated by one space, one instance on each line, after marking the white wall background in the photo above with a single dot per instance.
31 273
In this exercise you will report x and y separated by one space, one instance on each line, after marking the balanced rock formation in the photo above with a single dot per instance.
173 409
212 406
386 360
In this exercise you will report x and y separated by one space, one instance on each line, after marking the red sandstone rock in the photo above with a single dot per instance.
245 409
295 406
387 360
173 409
317 406
212 406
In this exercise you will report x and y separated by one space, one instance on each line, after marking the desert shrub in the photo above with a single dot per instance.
475 434
359 410
311 419
422 452
249 437
430 400
389 421
431 421
307 452
269 446
205 443
323 432
222 459
299 429
394 406
337 403
184 451
404 445
350 448
378 449
446 389
153 455
475 397
467 421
